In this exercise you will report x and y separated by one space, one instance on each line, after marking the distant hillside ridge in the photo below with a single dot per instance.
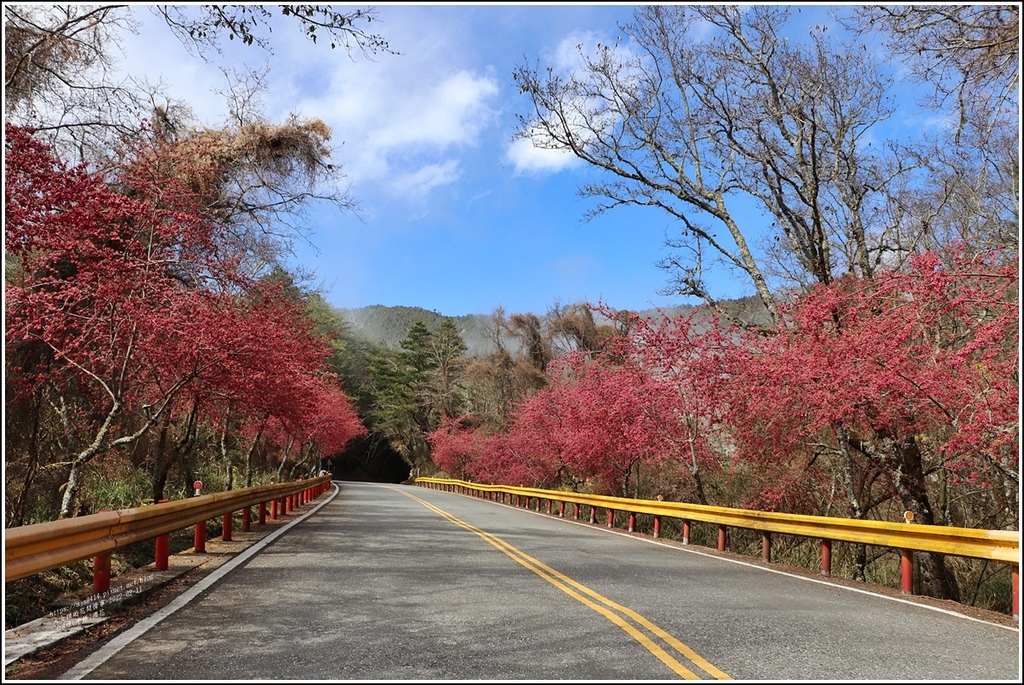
390 324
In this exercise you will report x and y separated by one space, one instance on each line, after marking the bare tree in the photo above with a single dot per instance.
572 327
967 53
704 128
968 57
201 27
60 76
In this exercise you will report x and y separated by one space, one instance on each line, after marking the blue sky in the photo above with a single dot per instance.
453 216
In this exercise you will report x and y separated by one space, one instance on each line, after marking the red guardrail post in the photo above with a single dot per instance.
1015 581
826 557
101 573
593 514
226 521
576 511
561 510
686 532
632 522
657 526
163 551
766 547
263 513
163 548
907 571
721 538
246 519
200 537
611 518
199 543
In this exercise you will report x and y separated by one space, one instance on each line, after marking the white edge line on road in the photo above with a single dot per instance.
123 639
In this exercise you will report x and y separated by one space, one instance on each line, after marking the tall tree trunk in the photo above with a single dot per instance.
694 467
248 457
171 452
860 551
161 462
225 455
16 515
936 580
69 502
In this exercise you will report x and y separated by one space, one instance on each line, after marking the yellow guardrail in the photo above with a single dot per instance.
39 547
996 545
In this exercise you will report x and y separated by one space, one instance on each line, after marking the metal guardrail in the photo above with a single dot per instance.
995 545
39 547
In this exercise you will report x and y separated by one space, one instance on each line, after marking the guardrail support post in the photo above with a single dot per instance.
263 513
766 547
576 511
907 571
686 532
611 518
632 522
593 514
721 538
246 519
101 573
273 509
549 506
163 548
657 526
826 557
561 510
1015 590
200 537
163 551
225 534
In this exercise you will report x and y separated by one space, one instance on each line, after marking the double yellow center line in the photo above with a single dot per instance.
616 613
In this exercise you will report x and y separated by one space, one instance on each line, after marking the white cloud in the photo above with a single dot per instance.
526 158
399 119
396 120
568 60
435 115
418 183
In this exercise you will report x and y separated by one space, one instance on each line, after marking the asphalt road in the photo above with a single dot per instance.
390 582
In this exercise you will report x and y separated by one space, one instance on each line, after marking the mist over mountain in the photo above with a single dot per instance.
391 324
